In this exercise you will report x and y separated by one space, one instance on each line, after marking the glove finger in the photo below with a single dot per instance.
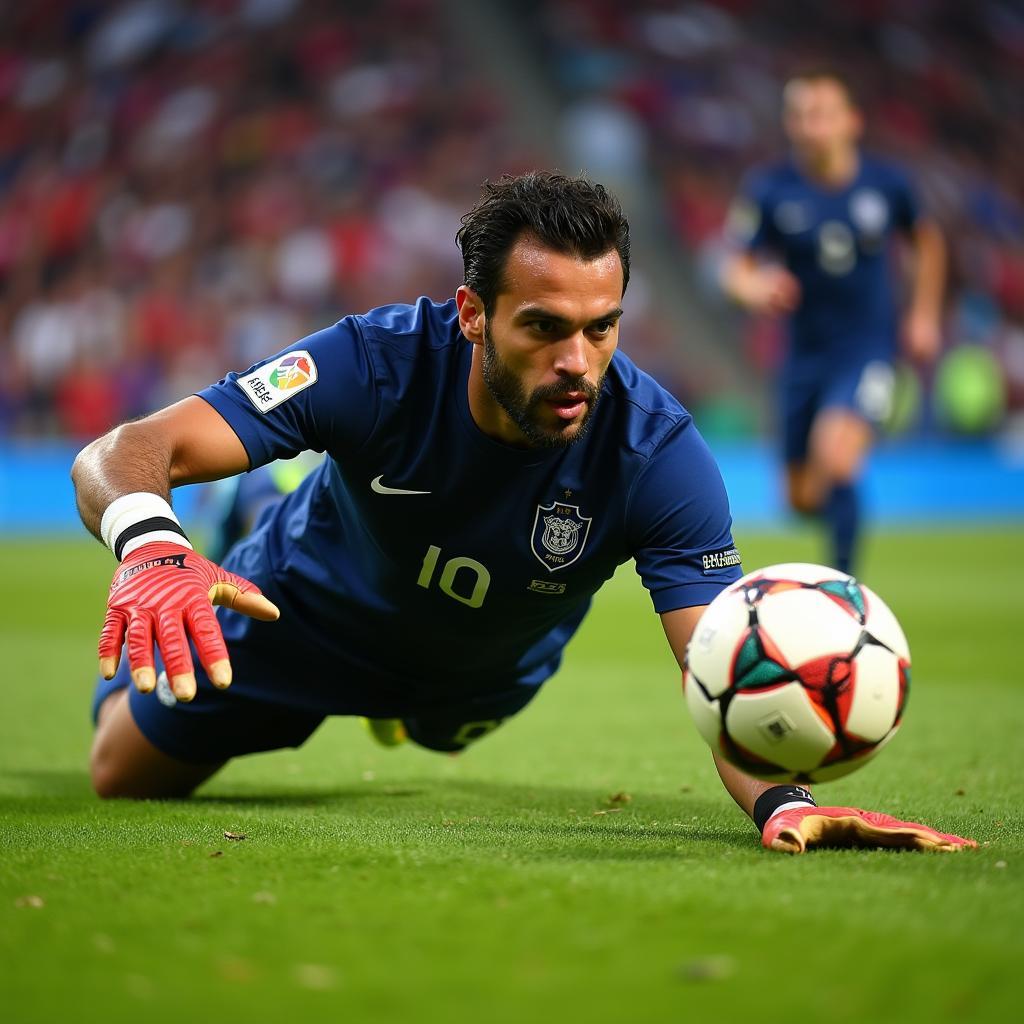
140 651
905 836
111 641
251 602
784 840
205 631
922 837
171 637
855 828
957 842
244 585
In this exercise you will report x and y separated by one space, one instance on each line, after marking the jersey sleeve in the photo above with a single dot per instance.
905 207
678 519
748 225
319 394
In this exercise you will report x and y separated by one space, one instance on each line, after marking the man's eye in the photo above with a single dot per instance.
544 326
603 327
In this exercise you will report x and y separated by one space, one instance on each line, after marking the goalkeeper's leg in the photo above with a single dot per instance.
150 746
453 727
123 763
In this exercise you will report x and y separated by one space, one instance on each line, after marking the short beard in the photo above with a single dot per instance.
507 390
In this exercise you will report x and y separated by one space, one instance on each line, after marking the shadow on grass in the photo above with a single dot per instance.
300 797
531 822
523 822
52 782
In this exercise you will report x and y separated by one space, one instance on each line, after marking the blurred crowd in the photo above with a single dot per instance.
693 91
189 186
186 187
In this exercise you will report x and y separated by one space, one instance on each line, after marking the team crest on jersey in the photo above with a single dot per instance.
869 211
559 535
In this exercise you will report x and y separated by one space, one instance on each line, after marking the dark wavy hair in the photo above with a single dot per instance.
571 215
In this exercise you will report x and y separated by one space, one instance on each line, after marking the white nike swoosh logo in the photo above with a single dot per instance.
379 488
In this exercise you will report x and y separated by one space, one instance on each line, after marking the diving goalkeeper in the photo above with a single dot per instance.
490 461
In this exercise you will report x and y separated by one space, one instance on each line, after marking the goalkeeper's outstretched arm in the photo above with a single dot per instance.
787 817
185 443
162 589
743 788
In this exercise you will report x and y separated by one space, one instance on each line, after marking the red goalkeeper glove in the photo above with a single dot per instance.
796 829
166 591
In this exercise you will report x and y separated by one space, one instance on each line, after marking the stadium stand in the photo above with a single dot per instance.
185 187
189 187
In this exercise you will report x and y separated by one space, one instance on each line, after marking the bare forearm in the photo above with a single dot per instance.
132 457
769 289
739 279
744 789
186 443
929 270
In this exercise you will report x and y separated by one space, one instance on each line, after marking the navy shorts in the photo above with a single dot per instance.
864 386
220 724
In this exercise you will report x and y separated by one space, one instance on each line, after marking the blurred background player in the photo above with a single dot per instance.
831 212
233 505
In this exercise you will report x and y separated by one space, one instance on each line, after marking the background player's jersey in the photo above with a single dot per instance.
836 243
425 556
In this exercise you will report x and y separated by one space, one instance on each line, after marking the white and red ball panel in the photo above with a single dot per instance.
875 690
821 626
794 572
781 726
882 625
706 713
805 625
716 640
837 769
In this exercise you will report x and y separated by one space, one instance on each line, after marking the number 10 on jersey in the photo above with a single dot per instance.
474 570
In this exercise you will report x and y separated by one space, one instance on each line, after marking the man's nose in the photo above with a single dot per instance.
571 357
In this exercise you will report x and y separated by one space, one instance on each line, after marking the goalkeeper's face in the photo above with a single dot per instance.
548 342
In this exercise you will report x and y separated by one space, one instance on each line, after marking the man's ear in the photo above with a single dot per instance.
471 314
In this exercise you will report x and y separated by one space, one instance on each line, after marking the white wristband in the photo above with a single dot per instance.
786 807
139 518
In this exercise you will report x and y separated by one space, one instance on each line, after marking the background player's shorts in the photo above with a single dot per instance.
865 387
220 724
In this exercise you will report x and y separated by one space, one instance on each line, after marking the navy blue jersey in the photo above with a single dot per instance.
836 242
423 554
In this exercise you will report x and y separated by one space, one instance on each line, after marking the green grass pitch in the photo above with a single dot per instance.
512 883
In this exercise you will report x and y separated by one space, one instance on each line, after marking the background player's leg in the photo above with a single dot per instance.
123 763
799 395
803 490
839 442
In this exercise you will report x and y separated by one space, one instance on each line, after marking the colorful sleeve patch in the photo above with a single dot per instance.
277 381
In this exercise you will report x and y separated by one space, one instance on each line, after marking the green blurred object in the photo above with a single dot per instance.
725 418
906 400
287 474
970 390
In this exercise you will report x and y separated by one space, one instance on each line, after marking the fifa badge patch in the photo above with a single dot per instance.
559 535
275 382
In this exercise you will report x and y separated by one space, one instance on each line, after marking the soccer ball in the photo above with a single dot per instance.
797 673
